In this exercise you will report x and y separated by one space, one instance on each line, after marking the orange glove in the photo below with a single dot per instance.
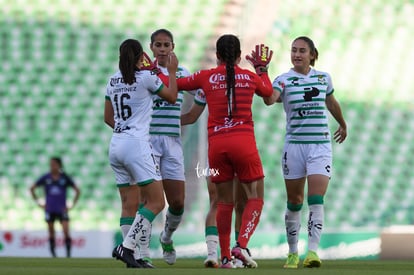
260 58
149 65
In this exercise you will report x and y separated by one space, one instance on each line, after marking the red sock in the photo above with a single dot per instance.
223 219
250 220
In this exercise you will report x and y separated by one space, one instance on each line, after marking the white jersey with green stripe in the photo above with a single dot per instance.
132 104
303 98
166 116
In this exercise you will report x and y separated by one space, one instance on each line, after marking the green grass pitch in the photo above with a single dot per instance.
61 266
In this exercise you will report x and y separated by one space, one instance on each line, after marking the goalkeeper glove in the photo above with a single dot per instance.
260 58
149 65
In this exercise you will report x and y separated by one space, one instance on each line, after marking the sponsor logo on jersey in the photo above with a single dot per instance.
294 80
120 128
116 80
162 103
228 123
217 78
315 104
303 113
201 94
310 93
157 81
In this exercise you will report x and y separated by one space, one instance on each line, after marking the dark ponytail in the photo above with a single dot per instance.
228 50
130 52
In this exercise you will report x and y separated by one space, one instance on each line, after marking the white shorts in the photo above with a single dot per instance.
301 160
132 161
168 153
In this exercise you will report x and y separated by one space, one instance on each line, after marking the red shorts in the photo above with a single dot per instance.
234 154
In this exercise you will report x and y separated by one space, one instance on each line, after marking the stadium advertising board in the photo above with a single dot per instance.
21 243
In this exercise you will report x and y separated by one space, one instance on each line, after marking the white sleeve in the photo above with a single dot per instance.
200 97
152 82
279 84
330 88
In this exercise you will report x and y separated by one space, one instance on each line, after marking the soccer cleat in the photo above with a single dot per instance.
168 252
244 255
211 263
292 261
126 255
147 259
226 263
312 260
144 263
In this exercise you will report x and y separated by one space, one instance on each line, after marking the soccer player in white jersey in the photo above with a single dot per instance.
165 134
306 93
128 109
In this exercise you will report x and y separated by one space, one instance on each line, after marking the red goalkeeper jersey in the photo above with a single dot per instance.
213 83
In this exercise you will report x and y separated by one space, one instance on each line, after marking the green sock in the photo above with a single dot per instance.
148 214
211 230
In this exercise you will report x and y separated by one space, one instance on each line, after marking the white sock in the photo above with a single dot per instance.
125 228
292 222
144 243
171 224
315 225
212 243
140 226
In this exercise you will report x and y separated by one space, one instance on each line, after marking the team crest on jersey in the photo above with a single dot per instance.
321 79
281 84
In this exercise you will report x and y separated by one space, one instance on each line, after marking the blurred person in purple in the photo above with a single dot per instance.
55 184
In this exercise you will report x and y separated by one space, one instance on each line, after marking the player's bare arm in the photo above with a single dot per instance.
109 114
34 196
275 97
77 195
192 116
170 93
335 109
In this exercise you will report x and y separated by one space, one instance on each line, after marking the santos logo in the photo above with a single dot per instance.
216 78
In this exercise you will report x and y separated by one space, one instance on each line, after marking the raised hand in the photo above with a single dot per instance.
260 58
172 63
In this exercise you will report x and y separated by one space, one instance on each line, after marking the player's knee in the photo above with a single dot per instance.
129 209
295 199
177 204
156 206
213 204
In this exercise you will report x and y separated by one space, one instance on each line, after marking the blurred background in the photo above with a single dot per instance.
56 57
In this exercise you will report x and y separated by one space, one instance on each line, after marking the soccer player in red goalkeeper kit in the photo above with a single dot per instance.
232 150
